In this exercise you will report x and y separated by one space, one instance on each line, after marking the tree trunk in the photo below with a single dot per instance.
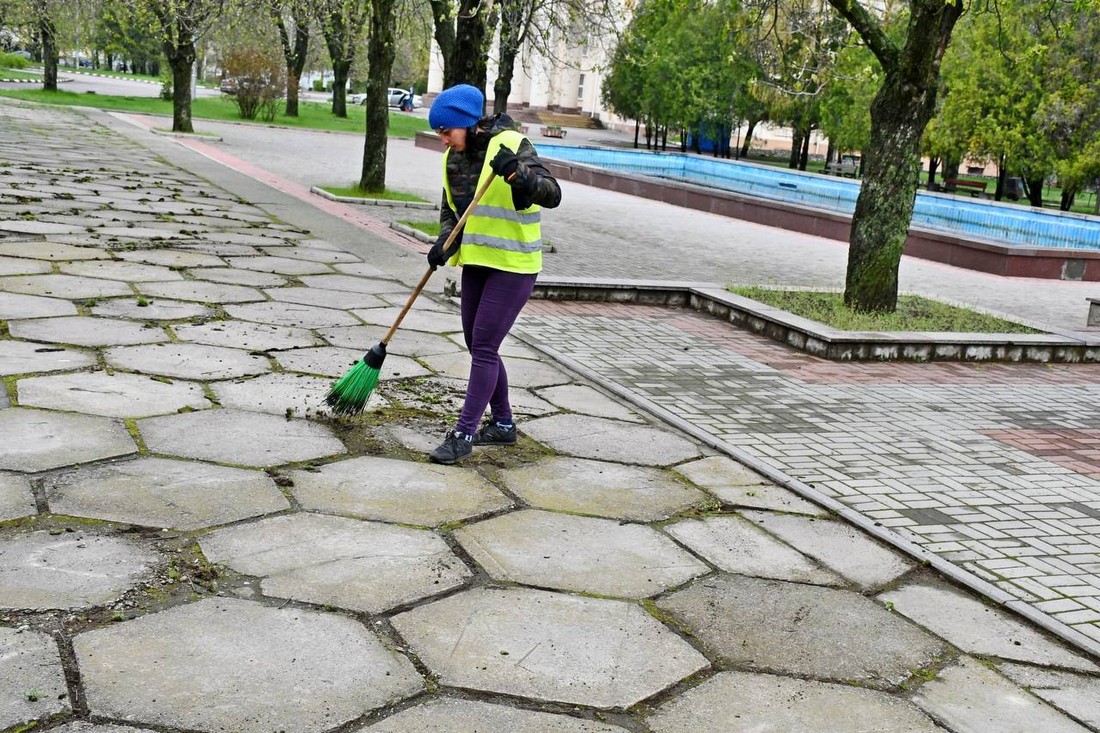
48 33
933 164
380 54
443 21
748 138
804 156
294 52
468 62
180 59
340 71
796 148
900 112
1069 194
1002 179
502 87
1034 188
637 129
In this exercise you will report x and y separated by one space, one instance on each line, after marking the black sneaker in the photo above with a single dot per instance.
493 434
455 447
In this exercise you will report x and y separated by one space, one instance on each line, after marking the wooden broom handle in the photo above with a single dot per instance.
446 245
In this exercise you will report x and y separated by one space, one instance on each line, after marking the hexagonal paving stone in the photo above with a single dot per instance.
120 270
281 265
144 309
48 250
252 336
94 728
86 331
604 489
731 702
76 569
608 440
451 715
838 546
14 305
200 292
736 485
396 491
29 663
587 401
63 286
341 299
1076 694
521 372
317 252
37 440
234 276
347 563
157 492
237 437
281 394
351 283
736 546
254 669
188 361
172 258
803 630
405 343
417 319
20 266
292 314
16 499
599 556
23 357
548 646
333 361
117 395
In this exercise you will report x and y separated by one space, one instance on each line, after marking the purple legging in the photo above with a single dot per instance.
491 302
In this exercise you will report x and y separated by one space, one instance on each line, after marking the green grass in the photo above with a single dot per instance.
6 73
428 227
108 72
914 313
312 115
356 192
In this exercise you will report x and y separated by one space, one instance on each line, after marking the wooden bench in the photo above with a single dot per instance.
849 170
1094 312
977 187
553 132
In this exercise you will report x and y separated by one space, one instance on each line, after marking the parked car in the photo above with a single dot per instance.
394 98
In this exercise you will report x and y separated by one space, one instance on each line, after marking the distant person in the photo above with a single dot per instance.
499 251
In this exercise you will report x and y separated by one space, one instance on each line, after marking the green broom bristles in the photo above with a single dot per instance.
350 393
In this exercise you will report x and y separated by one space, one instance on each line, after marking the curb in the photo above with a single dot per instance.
413 232
372 202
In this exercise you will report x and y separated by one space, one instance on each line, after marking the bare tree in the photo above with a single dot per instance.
342 24
380 55
292 18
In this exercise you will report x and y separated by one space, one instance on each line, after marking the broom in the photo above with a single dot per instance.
349 395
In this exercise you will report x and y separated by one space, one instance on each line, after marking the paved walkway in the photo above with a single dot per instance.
187 544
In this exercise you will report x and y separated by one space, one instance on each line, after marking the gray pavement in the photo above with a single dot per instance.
188 543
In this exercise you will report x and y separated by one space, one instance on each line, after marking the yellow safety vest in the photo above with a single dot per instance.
496 234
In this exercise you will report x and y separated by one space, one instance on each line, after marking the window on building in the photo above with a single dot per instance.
580 88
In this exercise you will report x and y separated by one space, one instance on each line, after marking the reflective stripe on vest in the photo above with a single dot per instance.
496 235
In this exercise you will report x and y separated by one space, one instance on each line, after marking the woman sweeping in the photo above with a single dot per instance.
499 251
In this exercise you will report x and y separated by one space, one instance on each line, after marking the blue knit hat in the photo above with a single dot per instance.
459 106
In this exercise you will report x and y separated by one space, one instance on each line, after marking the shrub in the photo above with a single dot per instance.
11 61
261 81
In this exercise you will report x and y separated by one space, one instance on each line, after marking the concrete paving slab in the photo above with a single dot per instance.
361 269
24 357
172 258
404 343
837 546
251 336
37 440
233 276
581 486
120 270
279 265
586 400
340 299
141 234
21 266
153 309
15 305
64 286
1077 695
52 251
371 285
188 361
977 628
312 254
733 702
522 373
599 556
97 728
86 331
221 249
548 646
40 570
200 292
32 682
239 438
608 440
111 395
969 698
450 715
390 490
332 361
296 395
736 485
292 314
736 546
16 499
162 493
334 561
226 664
418 319
803 630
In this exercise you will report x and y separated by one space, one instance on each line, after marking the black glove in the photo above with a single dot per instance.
437 256
506 165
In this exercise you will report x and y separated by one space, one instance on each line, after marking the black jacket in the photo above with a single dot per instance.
464 169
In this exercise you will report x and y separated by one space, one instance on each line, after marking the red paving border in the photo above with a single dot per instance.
1077 450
